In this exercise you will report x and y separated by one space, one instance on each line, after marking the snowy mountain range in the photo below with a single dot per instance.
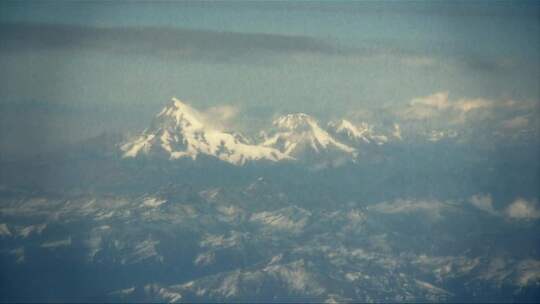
404 222
363 132
299 134
180 131
258 241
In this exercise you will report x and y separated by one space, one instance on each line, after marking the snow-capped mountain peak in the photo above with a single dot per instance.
299 132
179 131
345 126
295 121
181 114
363 132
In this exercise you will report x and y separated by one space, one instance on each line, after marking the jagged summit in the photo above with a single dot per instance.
182 114
362 132
179 131
300 133
345 126
294 121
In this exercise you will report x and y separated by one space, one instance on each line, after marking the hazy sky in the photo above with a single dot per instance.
117 63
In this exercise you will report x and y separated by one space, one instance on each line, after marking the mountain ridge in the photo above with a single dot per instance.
181 131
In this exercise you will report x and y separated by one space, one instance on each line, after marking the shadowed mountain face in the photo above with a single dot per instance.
188 212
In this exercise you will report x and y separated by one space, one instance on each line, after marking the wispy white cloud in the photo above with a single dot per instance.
432 208
467 105
221 116
439 104
523 209
483 202
518 209
438 101
437 116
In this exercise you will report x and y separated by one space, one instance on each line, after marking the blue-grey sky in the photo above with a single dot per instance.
119 62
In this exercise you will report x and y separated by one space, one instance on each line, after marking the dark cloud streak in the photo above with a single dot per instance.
219 47
164 42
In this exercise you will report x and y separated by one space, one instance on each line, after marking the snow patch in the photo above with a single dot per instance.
57 244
